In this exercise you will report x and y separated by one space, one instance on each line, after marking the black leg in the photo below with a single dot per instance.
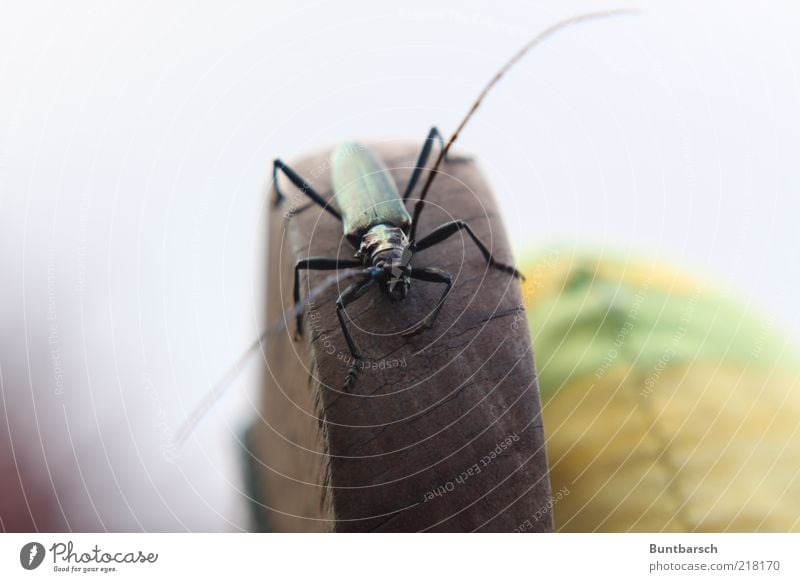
354 291
432 275
302 185
423 159
316 264
447 230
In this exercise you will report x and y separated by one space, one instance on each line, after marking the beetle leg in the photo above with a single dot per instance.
423 159
447 230
315 264
302 185
354 291
433 275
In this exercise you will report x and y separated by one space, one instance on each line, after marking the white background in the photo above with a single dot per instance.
135 148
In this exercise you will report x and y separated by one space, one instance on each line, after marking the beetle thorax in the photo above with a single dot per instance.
386 248
383 243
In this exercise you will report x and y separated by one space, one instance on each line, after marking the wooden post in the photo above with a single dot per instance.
444 432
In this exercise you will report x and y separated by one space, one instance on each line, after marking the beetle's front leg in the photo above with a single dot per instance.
354 291
315 264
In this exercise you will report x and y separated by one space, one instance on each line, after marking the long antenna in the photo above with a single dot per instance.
233 372
432 173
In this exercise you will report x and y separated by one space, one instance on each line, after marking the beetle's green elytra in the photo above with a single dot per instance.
366 193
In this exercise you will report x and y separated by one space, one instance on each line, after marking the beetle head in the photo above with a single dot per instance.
395 279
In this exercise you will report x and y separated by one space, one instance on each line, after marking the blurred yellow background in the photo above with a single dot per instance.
668 405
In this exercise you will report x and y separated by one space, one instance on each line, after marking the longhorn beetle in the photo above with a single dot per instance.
378 226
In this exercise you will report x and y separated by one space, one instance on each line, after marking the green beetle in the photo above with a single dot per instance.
378 226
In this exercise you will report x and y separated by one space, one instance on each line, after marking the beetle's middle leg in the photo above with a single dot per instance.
354 291
316 264
302 185
423 159
447 230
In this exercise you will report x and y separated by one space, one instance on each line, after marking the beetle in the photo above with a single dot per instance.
378 225
380 229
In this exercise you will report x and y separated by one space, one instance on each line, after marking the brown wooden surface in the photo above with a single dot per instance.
374 458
